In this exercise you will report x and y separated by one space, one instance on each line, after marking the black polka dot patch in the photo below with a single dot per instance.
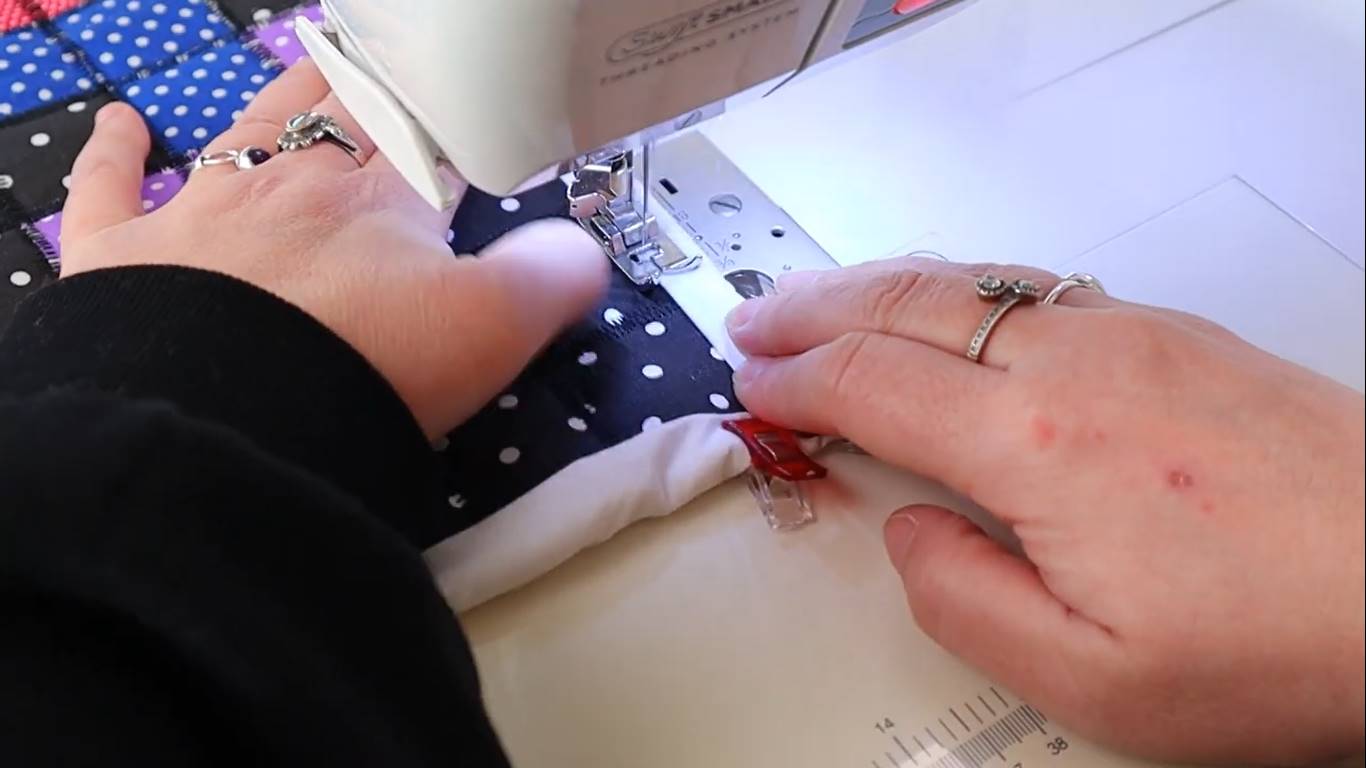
23 270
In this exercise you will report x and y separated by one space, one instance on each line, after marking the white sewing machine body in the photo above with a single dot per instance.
511 89
507 89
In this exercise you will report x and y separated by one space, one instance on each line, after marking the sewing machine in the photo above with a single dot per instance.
512 88
607 94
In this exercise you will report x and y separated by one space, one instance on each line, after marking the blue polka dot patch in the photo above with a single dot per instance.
194 101
38 72
122 37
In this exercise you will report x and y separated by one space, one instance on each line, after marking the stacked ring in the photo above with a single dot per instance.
1074 280
1007 296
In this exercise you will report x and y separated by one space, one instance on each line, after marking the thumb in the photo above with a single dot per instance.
544 275
106 179
990 608
503 307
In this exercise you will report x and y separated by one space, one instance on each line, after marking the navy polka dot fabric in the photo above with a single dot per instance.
190 67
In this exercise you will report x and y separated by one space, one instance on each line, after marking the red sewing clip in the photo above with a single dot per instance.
777 467
775 451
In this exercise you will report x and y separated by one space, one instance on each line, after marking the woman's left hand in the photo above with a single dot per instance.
352 245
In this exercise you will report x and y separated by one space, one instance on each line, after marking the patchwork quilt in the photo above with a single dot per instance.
190 67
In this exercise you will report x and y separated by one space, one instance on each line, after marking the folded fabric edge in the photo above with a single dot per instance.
703 293
651 475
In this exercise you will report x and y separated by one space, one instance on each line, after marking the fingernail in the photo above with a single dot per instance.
105 112
741 315
790 281
747 373
898 534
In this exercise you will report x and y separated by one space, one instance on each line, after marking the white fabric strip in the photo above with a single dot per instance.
704 295
586 503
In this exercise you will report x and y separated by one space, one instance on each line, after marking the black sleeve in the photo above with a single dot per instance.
211 514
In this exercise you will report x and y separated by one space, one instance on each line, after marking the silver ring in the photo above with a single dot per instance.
211 159
242 159
1074 280
308 128
1007 296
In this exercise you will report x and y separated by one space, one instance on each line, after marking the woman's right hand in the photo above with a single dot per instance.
1191 507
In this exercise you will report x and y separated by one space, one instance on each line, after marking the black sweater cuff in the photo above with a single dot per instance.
225 351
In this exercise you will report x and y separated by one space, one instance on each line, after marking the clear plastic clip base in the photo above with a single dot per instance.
778 467
782 502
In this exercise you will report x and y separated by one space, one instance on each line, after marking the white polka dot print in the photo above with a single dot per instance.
588 358
190 103
577 424
20 278
509 455
40 71
613 317
121 38
652 372
507 402
511 204
719 401
655 328
40 139
456 501
651 423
